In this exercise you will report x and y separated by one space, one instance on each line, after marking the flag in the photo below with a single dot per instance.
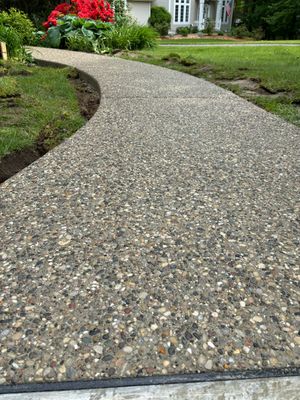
228 8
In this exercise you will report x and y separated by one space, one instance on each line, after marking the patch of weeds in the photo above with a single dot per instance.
188 61
280 106
53 133
232 87
9 88
172 57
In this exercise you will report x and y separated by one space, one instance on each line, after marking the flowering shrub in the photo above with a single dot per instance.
94 9
88 9
90 25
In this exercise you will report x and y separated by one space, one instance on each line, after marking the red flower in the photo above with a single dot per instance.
64 8
89 9
94 9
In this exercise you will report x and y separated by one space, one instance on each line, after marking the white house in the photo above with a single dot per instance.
187 12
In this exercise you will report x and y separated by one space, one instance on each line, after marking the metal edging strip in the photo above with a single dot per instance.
149 380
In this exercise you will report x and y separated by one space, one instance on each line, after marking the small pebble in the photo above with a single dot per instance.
98 349
127 349
209 364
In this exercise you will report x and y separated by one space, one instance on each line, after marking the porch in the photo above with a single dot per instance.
198 12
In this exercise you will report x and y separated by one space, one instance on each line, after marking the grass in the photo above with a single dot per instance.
196 41
275 69
220 40
35 100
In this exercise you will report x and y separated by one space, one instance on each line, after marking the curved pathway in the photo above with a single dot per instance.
162 238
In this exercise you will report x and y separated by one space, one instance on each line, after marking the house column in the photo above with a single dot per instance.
201 22
218 16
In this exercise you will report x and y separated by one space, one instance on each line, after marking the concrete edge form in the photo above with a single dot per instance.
262 389
150 380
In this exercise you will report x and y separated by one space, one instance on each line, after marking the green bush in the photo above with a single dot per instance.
258 34
78 42
18 21
183 30
128 37
209 27
160 20
12 40
240 31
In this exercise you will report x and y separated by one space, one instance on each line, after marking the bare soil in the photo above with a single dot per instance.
253 87
88 99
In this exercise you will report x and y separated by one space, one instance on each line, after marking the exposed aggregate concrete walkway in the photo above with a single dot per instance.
162 238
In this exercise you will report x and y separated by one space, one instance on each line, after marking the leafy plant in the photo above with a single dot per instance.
75 27
79 42
183 30
241 31
71 28
12 40
128 37
209 27
160 20
258 34
18 21
14 44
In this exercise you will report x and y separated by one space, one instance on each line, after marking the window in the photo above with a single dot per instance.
224 16
182 11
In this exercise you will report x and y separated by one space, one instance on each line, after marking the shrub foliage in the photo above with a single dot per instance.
160 20
18 21
89 25
16 30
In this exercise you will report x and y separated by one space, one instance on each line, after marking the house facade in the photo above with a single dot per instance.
187 12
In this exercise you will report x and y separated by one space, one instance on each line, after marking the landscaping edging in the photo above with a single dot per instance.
92 230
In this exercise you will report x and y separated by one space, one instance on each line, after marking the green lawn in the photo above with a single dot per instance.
196 41
224 41
35 101
274 70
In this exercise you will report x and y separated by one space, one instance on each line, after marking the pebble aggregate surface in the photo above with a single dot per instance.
162 238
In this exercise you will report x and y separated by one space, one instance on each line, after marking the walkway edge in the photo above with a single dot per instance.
149 380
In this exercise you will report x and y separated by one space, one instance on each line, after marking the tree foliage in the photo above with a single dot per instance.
279 19
30 7
36 9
